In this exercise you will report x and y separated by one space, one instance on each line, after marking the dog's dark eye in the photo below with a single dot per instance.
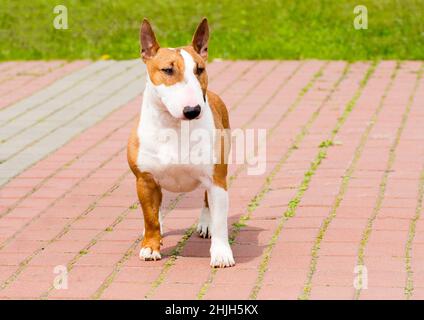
199 70
168 71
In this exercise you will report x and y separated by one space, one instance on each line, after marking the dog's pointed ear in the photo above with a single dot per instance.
201 39
148 43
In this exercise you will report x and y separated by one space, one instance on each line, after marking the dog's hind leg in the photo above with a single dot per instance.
204 225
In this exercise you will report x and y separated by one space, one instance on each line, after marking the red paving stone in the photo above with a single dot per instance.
30 77
75 207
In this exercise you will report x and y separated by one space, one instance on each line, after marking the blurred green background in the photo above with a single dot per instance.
249 29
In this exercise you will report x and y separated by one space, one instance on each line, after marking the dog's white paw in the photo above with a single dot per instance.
147 254
204 225
221 255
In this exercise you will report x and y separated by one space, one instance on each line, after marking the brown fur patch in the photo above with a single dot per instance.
166 58
172 58
150 196
220 114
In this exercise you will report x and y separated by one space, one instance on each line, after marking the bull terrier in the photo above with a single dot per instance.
176 96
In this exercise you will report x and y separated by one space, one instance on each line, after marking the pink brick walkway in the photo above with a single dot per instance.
337 214
20 79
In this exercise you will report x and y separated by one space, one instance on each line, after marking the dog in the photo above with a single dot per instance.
176 96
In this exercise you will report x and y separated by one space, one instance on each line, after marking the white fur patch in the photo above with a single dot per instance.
204 224
163 140
221 253
147 254
187 92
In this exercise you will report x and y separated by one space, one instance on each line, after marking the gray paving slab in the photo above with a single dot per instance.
39 99
72 117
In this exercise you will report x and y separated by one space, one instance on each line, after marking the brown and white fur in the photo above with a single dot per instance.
176 92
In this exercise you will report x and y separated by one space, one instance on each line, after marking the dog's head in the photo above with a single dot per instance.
178 76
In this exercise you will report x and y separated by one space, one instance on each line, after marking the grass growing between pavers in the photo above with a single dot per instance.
85 250
343 188
256 200
131 250
379 201
90 208
304 185
409 283
174 256
24 263
271 29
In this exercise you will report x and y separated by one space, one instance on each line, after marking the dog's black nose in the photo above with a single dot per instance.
191 112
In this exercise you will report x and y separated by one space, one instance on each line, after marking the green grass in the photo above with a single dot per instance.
250 29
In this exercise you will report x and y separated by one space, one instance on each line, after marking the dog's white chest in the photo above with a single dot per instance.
163 161
178 161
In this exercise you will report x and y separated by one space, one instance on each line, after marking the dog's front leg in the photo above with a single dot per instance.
221 254
150 196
